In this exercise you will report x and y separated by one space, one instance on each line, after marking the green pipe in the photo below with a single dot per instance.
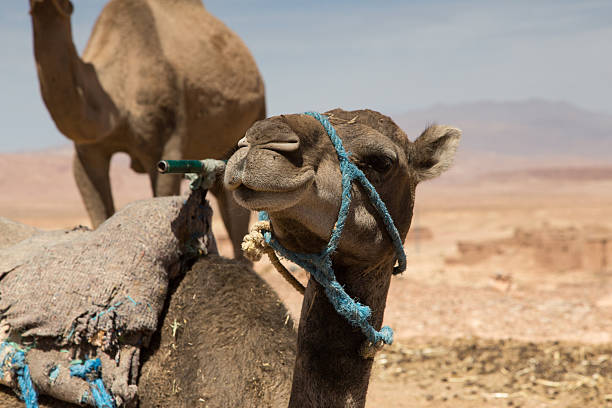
179 166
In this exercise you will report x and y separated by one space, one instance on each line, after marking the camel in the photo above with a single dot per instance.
158 78
286 165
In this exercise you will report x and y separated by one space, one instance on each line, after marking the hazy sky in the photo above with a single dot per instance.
392 56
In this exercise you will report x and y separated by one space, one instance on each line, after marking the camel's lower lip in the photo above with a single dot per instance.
256 200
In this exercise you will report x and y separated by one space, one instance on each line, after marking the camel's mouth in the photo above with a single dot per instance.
257 200
263 179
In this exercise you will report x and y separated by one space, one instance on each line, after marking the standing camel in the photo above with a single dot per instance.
158 78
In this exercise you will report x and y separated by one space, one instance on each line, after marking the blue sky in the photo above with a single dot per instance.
392 56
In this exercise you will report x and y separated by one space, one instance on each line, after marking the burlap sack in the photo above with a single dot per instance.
80 294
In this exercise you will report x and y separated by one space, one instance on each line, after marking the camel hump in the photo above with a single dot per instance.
123 27
192 44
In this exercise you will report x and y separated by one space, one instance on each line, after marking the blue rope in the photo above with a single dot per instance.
28 393
90 371
22 372
320 265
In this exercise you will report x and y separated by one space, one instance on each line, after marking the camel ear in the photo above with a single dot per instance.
434 151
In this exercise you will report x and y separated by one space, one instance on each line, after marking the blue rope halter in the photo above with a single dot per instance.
320 265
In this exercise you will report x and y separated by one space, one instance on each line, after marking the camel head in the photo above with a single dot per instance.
62 7
287 166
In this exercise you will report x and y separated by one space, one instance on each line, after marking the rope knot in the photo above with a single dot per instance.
254 244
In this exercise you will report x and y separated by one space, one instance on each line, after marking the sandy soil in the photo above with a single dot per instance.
504 331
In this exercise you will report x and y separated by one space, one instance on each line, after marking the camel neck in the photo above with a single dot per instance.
70 88
329 370
54 50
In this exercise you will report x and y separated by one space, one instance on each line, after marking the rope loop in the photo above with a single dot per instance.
254 245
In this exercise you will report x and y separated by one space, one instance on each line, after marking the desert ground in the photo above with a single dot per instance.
507 299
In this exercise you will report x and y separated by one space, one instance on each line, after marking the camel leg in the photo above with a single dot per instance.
235 218
169 184
90 168
165 184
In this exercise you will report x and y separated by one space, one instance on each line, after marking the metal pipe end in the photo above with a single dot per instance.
162 166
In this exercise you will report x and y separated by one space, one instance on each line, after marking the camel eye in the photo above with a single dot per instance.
379 162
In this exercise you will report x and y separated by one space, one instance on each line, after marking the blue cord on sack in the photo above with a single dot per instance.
320 265
19 367
90 371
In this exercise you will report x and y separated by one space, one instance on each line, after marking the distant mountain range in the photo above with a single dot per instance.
502 141
529 129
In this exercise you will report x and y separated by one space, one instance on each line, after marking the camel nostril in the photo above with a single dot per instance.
281 143
281 146
272 135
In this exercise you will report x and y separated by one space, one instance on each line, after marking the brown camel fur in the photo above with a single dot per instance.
287 166
158 79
